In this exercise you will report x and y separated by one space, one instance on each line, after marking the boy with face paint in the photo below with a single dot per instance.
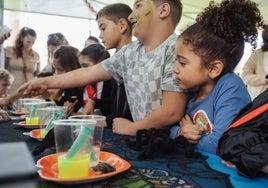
144 66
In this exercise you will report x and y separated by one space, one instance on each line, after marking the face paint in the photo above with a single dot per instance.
142 15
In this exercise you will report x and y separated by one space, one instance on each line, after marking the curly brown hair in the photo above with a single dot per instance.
6 75
221 30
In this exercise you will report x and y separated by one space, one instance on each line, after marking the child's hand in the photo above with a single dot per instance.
190 130
89 108
5 103
70 107
33 88
123 126
4 115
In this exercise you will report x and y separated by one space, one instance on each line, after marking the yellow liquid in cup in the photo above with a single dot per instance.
32 121
43 133
76 167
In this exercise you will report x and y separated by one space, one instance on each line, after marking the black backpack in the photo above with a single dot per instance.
245 142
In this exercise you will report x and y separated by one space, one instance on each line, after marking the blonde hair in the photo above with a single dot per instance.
6 75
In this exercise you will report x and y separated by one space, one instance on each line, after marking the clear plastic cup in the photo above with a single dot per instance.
28 106
73 141
97 137
22 101
48 114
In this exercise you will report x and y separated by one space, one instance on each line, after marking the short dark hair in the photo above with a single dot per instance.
176 9
94 39
68 57
115 12
96 52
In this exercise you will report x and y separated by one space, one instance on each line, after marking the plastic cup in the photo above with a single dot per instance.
97 137
28 106
22 101
47 115
73 141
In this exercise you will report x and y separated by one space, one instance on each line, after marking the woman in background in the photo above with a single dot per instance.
255 70
91 40
54 40
21 60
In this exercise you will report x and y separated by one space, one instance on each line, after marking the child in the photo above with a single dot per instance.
115 33
54 40
89 56
144 66
65 59
6 79
210 49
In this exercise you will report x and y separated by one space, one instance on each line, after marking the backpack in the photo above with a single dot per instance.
245 142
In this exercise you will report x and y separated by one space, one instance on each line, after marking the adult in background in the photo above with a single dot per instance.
255 70
21 60
54 40
91 40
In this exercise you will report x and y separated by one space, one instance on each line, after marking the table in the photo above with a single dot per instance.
161 170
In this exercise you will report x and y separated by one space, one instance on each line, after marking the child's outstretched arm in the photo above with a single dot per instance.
72 79
170 112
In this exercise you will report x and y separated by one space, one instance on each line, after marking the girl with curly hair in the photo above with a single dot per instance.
207 53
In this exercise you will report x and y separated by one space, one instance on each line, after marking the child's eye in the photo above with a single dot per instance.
138 5
182 63
179 61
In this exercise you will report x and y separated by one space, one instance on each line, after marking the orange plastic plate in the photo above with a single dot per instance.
49 170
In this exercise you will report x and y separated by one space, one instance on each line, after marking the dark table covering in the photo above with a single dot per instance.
161 170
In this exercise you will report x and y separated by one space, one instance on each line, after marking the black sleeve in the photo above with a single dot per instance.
69 95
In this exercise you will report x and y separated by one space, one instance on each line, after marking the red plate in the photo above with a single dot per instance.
49 171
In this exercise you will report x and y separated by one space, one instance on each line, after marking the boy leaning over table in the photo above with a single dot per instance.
144 66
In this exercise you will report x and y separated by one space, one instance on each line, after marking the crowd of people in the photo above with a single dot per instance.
183 83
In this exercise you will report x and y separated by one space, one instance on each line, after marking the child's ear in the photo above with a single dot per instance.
215 68
123 24
164 10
